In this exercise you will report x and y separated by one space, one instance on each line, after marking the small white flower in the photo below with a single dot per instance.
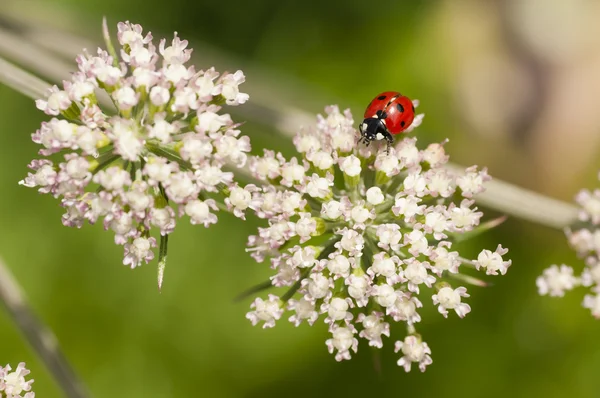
592 302
374 328
267 311
449 299
138 251
339 266
350 165
342 341
556 280
375 196
492 261
304 310
414 350
332 209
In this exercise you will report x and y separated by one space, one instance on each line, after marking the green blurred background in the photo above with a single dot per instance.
512 84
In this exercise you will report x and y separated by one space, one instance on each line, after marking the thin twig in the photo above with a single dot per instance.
39 336
502 196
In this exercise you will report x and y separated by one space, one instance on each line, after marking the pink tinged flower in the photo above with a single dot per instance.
113 178
415 184
350 166
138 251
74 217
161 129
211 122
373 328
385 266
147 79
13 384
592 302
126 98
264 167
416 274
405 309
582 240
164 219
233 149
140 56
44 176
358 288
360 215
387 163
435 155
337 310
88 140
200 211
339 266
122 224
416 122
58 101
181 187
591 275
374 196
351 241
321 160
385 295
208 177
291 202
408 153
439 183
159 170
302 257
205 86
98 205
79 86
449 299
127 140
389 236
196 148
292 173
159 95
418 243
471 183
54 135
176 53
492 261
464 218
178 75
332 210
240 199
318 187
413 350
129 33
436 222
317 286
230 89
307 142
555 281
443 260
342 341
267 311
286 275
185 100
304 310
408 207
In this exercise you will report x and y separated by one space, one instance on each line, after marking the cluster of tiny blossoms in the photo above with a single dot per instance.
13 384
357 236
585 240
155 155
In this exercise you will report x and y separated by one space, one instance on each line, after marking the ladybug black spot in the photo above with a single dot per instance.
403 123
381 97
381 114
413 108
400 108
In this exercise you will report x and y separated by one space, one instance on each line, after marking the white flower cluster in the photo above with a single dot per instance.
13 384
585 240
357 236
158 155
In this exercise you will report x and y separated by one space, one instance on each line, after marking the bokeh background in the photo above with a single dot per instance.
512 83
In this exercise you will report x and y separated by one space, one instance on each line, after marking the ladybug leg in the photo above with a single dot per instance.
389 140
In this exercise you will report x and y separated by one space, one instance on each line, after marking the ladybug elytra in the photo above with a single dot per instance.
389 113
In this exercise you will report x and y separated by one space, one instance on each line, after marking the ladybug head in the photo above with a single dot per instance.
374 129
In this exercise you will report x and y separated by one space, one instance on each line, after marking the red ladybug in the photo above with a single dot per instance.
389 113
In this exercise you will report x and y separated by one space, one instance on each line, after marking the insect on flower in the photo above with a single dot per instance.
389 113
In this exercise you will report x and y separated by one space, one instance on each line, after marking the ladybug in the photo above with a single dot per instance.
389 113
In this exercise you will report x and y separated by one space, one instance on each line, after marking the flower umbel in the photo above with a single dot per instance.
13 384
156 155
585 240
357 236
